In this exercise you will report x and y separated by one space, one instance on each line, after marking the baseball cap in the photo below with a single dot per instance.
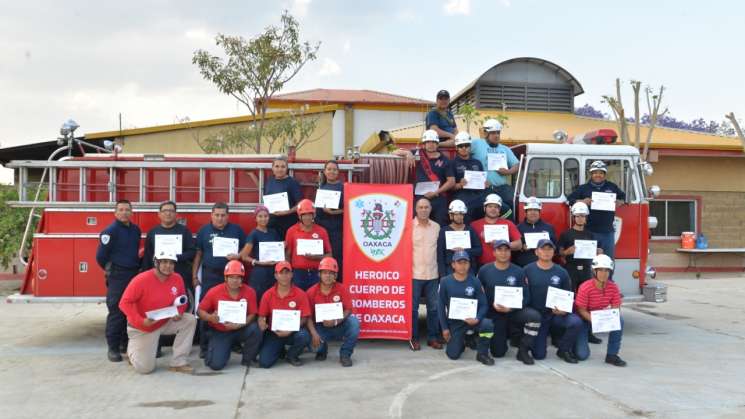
545 242
282 265
498 243
443 93
461 255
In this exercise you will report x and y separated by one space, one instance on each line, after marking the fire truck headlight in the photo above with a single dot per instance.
654 191
652 222
648 170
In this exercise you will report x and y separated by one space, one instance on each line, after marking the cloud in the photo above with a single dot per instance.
506 3
299 8
347 46
406 15
329 67
457 7
199 34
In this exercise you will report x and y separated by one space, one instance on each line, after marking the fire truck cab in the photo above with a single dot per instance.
551 172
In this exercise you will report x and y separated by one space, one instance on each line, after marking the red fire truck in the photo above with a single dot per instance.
81 191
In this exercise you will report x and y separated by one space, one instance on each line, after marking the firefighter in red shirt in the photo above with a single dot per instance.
305 274
291 303
154 303
346 327
224 334
492 207
596 294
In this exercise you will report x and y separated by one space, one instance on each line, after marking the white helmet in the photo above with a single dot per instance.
492 125
602 261
533 203
165 255
580 208
430 135
462 138
457 206
598 165
493 198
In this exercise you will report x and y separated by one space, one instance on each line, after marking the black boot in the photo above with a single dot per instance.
524 355
594 339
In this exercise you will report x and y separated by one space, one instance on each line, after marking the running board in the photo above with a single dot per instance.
32 299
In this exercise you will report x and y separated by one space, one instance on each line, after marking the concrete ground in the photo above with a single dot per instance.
685 357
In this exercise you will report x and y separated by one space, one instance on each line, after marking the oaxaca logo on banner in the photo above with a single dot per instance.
378 258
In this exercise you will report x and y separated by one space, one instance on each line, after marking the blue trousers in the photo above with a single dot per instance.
582 349
116 322
527 318
221 343
272 345
457 343
305 278
261 279
571 323
348 332
607 242
428 288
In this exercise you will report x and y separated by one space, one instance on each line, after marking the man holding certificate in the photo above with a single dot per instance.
457 236
434 175
283 315
231 310
169 235
508 296
306 243
470 177
542 275
461 308
600 220
332 314
533 229
499 161
492 228
155 304
599 304
217 242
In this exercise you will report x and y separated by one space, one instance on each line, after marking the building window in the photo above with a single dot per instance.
673 217
544 178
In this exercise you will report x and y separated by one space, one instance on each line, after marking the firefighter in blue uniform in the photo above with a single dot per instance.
214 266
118 256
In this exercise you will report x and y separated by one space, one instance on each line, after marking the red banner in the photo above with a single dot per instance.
378 258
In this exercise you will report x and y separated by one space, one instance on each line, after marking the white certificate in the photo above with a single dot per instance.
285 320
232 311
494 232
223 246
162 313
277 202
330 311
170 243
585 249
425 187
496 161
603 201
559 298
462 308
271 251
327 199
457 239
531 239
511 297
309 247
605 320
474 179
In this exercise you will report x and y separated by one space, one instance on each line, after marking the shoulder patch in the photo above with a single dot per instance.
105 238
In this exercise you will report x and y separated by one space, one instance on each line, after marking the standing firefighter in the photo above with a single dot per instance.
118 256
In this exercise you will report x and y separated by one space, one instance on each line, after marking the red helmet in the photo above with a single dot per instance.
305 207
235 267
328 264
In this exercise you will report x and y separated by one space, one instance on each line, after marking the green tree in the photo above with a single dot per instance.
12 223
255 69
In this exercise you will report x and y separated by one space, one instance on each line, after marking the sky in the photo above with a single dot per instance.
92 60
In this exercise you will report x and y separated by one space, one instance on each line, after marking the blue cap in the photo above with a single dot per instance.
498 243
545 242
461 255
